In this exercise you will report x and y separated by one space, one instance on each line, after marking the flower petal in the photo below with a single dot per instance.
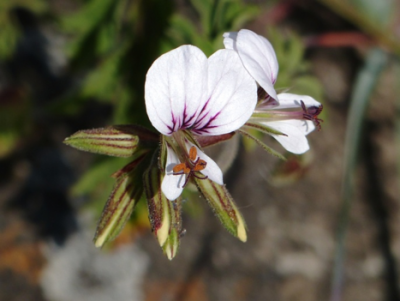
172 185
233 95
176 89
230 40
212 170
292 101
305 126
295 141
258 57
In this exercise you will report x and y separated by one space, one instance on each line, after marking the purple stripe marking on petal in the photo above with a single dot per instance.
172 129
204 129
187 121
198 121
184 121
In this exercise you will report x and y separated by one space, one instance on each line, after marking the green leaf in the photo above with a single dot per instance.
117 141
223 206
182 30
9 32
242 15
95 31
308 85
380 12
366 81
103 81
204 8
96 181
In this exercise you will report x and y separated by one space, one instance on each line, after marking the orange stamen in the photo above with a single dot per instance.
191 166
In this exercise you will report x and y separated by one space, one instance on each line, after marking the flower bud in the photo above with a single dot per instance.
164 215
119 207
224 207
117 141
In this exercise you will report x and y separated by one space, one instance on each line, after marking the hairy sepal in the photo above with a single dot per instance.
130 166
120 205
263 145
205 141
264 129
117 141
223 206
164 215
171 245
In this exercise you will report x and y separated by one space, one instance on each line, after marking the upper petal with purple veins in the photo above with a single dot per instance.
232 95
293 101
176 89
184 90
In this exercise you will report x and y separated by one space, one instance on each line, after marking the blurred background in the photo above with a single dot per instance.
321 226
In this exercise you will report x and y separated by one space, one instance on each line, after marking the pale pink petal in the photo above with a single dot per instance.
172 185
232 95
295 141
176 89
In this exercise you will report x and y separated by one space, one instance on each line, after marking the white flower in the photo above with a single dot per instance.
187 93
258 57
295 117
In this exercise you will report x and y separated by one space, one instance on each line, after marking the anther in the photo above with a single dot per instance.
312 113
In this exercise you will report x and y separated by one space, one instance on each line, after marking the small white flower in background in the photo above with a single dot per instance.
186 94
293 119
289 118
258 57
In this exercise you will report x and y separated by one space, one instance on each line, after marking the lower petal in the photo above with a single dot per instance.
172 185
212 170
295 141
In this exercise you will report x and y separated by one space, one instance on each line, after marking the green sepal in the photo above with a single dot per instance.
171 245
263 145
157 204
205 141
223 206
264 128
131 165
162 159
117 140
111 141
120 204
